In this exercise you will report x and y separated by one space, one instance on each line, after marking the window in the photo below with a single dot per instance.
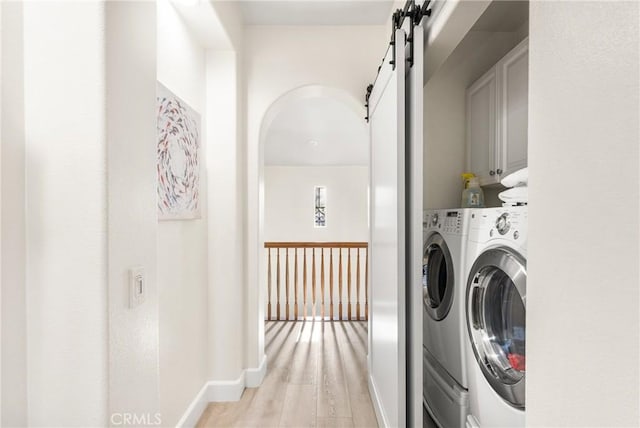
320 201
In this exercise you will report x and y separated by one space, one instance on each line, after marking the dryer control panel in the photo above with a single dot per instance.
504 223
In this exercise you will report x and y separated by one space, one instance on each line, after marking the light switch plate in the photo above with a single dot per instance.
137 286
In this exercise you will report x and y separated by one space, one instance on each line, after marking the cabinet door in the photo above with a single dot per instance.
513 78
481 128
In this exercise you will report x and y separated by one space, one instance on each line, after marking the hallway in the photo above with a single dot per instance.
317 376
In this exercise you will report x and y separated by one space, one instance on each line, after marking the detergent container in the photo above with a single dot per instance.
472 195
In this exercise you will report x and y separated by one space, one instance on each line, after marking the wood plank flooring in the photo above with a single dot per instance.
316 377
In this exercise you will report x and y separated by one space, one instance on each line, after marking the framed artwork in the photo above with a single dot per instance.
178 156
320 205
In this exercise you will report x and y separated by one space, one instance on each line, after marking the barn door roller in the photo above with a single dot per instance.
415 14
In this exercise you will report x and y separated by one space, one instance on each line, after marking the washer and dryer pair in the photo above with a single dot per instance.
474 287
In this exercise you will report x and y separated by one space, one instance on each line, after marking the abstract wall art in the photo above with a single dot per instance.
178 158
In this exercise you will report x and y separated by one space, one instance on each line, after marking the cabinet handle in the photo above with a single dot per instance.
492 173
499 171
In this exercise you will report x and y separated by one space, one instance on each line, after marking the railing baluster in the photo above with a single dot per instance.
366 284
318 304
304 282
313 283
278 286
331 284
349 284
287 284
340 284
358 285
269 285
295 285
322 282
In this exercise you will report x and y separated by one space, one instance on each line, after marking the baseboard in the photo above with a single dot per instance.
193 413
254 377
377 405
226 390
218 391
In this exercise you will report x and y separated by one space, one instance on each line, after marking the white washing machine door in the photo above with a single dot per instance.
496 310
437 277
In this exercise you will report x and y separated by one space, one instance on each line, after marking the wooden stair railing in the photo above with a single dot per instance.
315 304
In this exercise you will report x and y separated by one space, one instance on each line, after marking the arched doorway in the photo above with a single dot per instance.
311 128
315 137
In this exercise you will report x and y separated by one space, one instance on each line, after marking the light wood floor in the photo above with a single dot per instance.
316 376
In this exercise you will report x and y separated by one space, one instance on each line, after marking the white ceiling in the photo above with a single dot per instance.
317 131
315 12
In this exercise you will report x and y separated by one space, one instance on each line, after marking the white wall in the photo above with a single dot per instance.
444 141
583 271
345 58
201 262
289 203
289 217
224 159
89 113
66 213
89 196
132 211
182 245
227 98
14 317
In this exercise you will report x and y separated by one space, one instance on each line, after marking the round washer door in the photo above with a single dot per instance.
437 277
496 312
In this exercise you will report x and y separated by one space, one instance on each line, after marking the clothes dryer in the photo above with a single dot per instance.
495 316
444 327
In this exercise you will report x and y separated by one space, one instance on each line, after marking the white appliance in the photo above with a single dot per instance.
495 315
444 327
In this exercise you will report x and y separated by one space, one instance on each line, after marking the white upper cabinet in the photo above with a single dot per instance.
481 127
513 75
497 118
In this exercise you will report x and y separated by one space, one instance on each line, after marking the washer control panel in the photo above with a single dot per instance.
452 222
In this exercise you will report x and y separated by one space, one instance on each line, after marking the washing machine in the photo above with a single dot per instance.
495 309
444 328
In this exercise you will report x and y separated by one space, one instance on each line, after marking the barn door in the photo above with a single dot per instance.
414 182
387 325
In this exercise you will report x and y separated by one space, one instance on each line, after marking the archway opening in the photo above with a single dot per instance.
315 232
315 204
